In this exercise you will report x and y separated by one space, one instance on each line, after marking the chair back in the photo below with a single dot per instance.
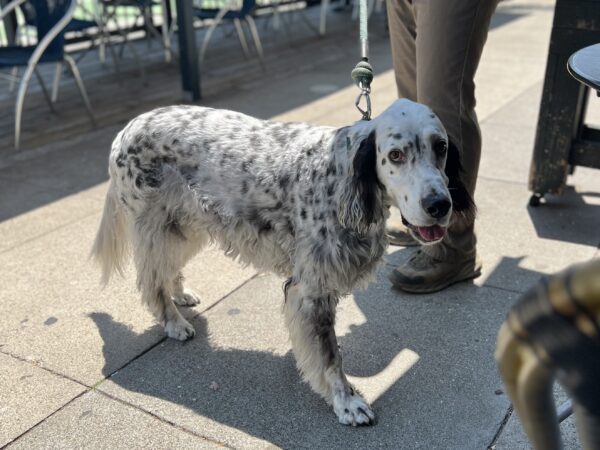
44 15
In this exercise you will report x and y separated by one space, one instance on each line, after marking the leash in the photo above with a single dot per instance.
362 74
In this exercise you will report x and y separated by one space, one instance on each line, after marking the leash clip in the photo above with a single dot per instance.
365 92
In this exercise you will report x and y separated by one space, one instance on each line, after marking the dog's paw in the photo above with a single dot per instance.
188 298
352 409
180 329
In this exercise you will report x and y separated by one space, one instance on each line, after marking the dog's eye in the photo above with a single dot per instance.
440 147
396 156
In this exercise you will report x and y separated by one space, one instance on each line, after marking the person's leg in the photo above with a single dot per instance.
402 25
401 21
449 42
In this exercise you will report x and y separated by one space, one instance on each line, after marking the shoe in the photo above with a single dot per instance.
399 235
423 274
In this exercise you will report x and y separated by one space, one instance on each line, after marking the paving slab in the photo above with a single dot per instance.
426 363
509 137
51 302
33 211
519 244
96 421
513 60
28 395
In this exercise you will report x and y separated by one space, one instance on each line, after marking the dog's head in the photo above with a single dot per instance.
406 153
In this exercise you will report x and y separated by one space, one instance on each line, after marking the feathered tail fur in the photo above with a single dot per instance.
111 245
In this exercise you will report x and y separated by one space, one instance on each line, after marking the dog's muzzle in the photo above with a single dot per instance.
429 235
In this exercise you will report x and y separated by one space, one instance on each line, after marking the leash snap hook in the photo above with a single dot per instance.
365 92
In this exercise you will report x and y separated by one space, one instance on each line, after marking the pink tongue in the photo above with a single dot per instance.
432 233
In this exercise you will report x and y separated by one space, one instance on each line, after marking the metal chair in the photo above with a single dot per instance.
143 9
88 25
231 10
553 332
51 19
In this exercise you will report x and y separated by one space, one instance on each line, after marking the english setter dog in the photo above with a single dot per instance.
306 202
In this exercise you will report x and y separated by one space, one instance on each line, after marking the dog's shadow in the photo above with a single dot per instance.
260 392
256 392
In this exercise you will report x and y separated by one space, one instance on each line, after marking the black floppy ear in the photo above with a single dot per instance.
361 202
462 202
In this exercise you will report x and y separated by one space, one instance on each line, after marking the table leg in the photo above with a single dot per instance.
188 54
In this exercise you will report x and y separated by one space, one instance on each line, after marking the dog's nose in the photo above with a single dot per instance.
436 206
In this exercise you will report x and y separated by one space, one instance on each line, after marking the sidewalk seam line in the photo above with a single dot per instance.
501 427
164 338
513 291
233 291
44 419
44 368
162 419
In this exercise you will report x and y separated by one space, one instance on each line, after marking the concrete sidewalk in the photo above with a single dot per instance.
83 367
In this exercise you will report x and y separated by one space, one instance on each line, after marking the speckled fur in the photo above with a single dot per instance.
308 203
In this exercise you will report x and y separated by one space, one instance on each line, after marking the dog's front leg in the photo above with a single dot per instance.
310 320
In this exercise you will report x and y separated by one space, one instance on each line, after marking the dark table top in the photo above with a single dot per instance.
584 65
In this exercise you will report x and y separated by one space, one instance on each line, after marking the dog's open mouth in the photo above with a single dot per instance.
432 233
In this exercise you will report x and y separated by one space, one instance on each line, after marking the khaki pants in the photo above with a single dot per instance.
436 48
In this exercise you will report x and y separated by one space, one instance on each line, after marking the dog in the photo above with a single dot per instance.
308 203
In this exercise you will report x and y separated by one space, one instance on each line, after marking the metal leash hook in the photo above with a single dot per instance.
364 92
362 76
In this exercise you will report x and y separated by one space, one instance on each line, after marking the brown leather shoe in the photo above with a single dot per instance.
423 274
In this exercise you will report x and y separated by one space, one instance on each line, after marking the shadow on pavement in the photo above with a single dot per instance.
568 217
449 388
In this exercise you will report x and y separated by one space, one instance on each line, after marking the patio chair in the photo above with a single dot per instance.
231 10
51 19
143 8
282 8
89 25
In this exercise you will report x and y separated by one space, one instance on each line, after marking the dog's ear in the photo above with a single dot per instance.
462 202
361 202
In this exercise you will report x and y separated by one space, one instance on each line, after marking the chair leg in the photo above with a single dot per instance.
150 30
44 90
323 18
166 37
210 31
80 86
148 25
56 82
113 54
242 37
14 76
105 44
19 103
276 18
257 43
101 49
125 42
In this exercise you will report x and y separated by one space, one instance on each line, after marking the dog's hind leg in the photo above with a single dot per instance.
183 296
310 320
160 253
194 242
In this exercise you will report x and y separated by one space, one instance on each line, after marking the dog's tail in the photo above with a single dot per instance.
111 245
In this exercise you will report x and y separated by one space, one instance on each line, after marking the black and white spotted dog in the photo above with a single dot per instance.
308 203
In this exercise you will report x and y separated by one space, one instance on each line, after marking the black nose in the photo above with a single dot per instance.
436 206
